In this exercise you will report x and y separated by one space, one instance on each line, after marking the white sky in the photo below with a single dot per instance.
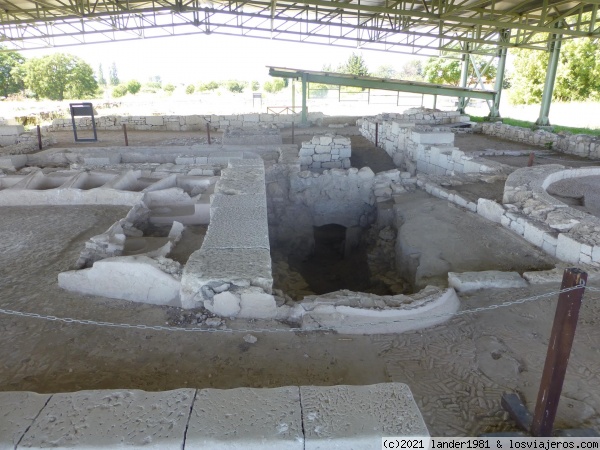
193 58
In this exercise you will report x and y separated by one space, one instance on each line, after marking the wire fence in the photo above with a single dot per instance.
69 320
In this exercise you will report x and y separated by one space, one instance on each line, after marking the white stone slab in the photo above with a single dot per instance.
490 210
13 162
472 281
17 412
109 419
246 419
134 278
357 417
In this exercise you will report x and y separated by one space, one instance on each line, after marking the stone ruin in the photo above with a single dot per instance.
259 198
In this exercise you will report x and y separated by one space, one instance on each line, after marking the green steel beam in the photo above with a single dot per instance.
304 79
502 53
380 83
464 75
554 49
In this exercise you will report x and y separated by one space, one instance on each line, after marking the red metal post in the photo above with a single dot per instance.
530 161
39 135
559 350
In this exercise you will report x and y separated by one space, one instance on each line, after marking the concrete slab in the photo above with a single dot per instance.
103 419
17 413
472 281
246 419
357 417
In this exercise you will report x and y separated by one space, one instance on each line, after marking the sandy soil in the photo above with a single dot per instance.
457 371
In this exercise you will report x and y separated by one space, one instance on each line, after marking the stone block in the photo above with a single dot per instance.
490 210
325 140
306 151
534 233
357 417
224 304
11 130
107 419
13 162
322 149
472 281
18 410
428 138
237 228
246 418
239 267
345 152
257 305
154 120
322 157
567 249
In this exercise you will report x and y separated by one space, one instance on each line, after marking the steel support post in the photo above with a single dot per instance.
464 75
502 52
304 118
554 44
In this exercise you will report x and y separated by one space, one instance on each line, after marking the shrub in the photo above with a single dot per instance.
276 85
133 87
119 91
255 85
210 86
169 88
189 89
236 86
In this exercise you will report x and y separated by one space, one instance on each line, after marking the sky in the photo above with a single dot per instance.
194 58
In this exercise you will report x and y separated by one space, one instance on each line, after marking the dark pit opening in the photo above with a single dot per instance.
339 260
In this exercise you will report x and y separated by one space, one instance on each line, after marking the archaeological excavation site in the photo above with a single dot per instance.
238 255
349 260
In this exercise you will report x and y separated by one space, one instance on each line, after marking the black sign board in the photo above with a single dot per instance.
83 110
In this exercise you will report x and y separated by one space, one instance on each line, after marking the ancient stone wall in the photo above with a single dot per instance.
424 148
575 144
329 151
182 123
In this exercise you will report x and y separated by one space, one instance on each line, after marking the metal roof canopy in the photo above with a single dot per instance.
309 76
404 26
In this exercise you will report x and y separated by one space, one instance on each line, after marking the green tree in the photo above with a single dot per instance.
59 76
236 86
411 70
447 71
275 85
255 86
133 86
442 71
210 86
190 89
578 76
169 88
113 76
527 78
10 79
101 79
355 65
119 91
385 71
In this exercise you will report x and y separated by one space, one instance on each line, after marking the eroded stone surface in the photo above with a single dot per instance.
17 413
343 417
101 419
246 419
472 281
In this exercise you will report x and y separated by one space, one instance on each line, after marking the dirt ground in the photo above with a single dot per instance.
457 371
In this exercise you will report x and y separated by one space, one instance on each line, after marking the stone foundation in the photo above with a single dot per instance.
574 144
329 151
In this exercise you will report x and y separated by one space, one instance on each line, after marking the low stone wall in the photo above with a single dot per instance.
329 151
289 417
423 148
567 233
575 144
182 123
